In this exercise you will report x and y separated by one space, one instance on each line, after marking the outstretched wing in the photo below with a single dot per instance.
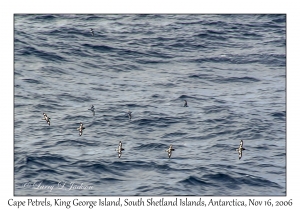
241 143
240 154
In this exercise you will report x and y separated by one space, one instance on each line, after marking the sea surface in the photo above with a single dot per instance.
231 69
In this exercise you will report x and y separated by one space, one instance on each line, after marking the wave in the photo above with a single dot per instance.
54 70
96 168
279 114
156 121
48 56
43 159
148 146
101 48
32 81
194 181
43 17
76 143
270 59
70 97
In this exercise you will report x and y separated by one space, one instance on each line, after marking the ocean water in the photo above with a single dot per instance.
231 69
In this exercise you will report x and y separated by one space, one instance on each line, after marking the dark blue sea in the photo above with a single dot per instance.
231 70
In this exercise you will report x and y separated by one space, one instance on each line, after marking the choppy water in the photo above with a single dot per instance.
230 68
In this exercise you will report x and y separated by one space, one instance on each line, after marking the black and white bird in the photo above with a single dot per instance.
92 32
240 149
170 150
46 118
120 149
129 114
185 104
80 129
92 109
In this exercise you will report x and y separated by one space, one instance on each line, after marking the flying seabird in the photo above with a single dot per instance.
92 109
129 114
80 129
185 104
240 149
120 149
46 118
170 151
